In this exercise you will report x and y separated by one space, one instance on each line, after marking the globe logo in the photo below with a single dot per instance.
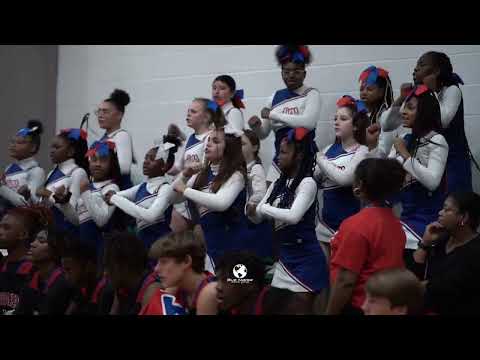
240 271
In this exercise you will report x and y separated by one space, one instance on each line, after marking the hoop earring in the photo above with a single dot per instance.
356 191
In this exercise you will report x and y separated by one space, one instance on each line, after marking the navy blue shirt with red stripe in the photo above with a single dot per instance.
95 301
49 297
14 276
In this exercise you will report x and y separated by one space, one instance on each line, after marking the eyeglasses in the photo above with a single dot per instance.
103 112
293 72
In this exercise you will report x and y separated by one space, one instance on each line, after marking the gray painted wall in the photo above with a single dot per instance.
28 89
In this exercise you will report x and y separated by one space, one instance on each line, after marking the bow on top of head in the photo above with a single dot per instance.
298 57
348 100
371 74
101 149
297 134
212 105
163 148
74 134
26 131
417 91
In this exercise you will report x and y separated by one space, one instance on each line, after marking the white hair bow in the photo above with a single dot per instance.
162 152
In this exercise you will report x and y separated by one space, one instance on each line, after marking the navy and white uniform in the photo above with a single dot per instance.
92 214
423 193
125 153
391 125
256 190
459 170
70 175
302 266
194 152
234 116
25 172
335 173
150 203
222 217
290 109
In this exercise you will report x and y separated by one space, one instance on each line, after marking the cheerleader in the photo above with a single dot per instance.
291 203
295 106
93 216
336 166
256 190
423 154
150 203
110 114
62 186
22 179
226 95
385 119
198 118
217 189
435 70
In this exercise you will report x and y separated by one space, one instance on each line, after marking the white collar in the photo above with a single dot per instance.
156 180
67 166
201 137
251 164
27 163
112 134
100 184
300 90
215 169
227 106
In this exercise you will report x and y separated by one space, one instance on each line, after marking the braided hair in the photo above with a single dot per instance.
285 192
442 62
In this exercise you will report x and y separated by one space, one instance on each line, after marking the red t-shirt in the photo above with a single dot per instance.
365 243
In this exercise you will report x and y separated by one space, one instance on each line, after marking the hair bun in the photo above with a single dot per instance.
120 97
35 124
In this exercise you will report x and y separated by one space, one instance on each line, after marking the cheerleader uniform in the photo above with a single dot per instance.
234 116
24 172
290 109
69 175
423 194
459 170
335 172
263 232
92 214
150 204
125 154
222 217
194 152
302 265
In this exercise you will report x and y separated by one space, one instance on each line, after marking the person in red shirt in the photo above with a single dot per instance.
368 242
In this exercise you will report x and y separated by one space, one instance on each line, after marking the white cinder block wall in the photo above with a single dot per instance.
163 79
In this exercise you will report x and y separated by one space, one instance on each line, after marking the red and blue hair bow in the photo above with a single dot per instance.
298 57
75 134
348 100
212 105
297 134
237 99
371 74
101 149
417 91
